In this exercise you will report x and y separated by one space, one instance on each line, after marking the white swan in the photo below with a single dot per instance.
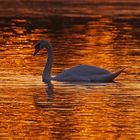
80 73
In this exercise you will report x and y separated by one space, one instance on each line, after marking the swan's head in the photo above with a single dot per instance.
41 44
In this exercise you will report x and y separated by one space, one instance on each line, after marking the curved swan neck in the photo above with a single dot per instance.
47 70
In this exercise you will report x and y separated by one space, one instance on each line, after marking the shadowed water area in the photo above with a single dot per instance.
104 34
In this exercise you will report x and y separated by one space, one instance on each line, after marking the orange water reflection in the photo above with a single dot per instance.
30 109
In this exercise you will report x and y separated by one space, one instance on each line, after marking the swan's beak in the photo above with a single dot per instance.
36 51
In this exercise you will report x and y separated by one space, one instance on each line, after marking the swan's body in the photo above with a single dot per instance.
81 73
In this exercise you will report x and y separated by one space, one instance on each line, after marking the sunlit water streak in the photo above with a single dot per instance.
105 37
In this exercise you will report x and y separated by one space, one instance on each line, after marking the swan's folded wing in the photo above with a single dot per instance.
83 70
73 78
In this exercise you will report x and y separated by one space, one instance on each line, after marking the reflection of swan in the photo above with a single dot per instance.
81 73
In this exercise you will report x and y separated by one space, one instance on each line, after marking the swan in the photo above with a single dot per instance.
80 73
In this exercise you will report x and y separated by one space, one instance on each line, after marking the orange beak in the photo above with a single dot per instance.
36 51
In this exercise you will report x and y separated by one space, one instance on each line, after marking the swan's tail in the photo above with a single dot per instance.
114 75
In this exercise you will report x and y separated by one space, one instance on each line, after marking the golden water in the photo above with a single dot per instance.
31 109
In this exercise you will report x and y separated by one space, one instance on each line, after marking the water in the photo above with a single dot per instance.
104 34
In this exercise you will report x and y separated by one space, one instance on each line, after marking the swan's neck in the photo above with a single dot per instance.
47 70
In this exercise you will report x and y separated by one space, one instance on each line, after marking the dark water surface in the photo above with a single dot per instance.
104 34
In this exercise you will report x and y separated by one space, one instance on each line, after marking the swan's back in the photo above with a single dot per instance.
82 71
